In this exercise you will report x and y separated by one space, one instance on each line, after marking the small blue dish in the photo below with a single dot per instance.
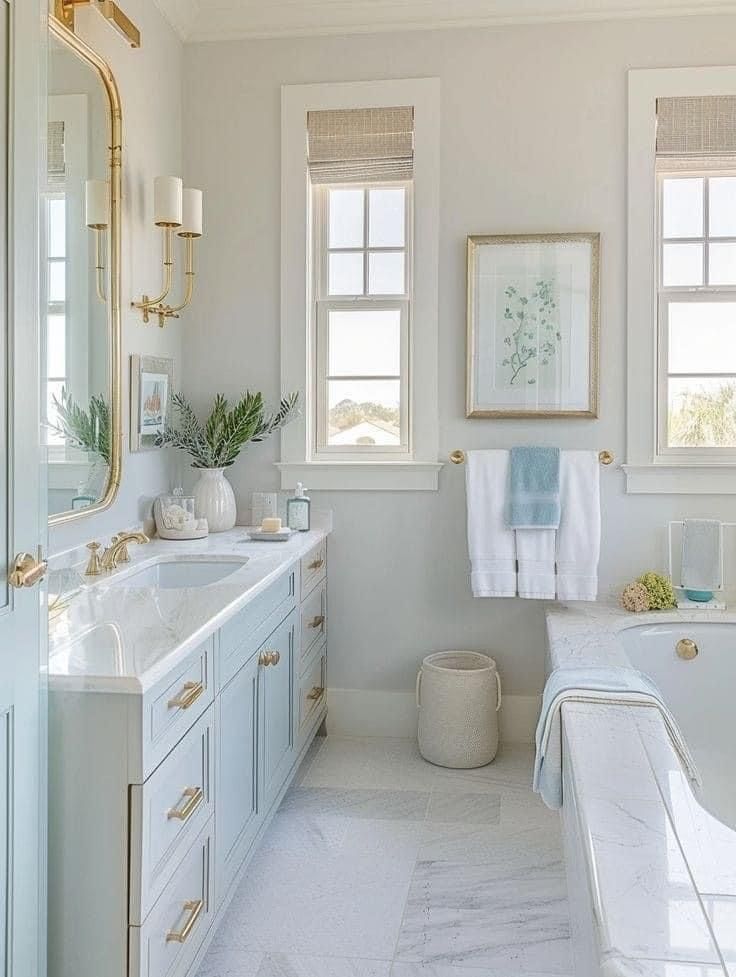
701 596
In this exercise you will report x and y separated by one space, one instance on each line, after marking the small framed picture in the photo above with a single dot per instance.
151 382
533 325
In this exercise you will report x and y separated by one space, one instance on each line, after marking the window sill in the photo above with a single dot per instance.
681 479
361 476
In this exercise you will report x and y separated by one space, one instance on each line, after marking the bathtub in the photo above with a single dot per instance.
651 866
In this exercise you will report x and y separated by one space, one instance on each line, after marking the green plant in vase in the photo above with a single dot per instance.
214 445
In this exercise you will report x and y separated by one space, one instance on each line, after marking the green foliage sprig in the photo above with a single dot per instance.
219 441
85 429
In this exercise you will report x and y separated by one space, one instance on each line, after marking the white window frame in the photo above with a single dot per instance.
323 303
304 454
651 467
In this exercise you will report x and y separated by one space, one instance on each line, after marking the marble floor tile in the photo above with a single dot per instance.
374 763
304 833
721 911
624 967
512 768
390 805
468 808
448 970
230 963
509 851
288 965
475 916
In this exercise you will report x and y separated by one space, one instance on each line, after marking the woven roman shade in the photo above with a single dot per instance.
701 126
55 158
361 145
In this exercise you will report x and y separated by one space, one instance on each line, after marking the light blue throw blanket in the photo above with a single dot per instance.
607 684
534 488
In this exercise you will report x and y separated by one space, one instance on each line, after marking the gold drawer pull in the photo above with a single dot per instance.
188 695
317 621
194 908
195 797
316 564
269 658
316 693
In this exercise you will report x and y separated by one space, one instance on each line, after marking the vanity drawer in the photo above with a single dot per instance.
243 634
167 811
171 711
314 567
166 943
312 690
314 618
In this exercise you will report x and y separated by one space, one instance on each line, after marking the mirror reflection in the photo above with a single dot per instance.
75 215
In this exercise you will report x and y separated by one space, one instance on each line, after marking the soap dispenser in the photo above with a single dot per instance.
297 510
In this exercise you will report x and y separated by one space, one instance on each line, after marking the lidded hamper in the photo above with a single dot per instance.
458 697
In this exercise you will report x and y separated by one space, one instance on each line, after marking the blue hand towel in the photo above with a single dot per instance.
534 488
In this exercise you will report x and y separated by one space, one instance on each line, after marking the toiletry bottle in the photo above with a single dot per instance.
297 510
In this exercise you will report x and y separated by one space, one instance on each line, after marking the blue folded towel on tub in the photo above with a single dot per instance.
613 685
534 488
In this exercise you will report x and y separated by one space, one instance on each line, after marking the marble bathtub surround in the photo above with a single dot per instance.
659 869
386 866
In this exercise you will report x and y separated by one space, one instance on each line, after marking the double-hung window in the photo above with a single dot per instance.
696 193
362 309
361 175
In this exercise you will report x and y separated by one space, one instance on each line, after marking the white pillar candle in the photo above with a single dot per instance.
96 204
167 201
191 223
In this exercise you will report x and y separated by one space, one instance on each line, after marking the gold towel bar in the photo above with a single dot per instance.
457 457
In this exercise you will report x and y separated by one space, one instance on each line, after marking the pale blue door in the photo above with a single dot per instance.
22 517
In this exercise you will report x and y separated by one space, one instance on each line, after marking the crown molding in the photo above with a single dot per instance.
182 15
213 20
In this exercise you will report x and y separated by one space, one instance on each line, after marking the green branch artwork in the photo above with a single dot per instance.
533 330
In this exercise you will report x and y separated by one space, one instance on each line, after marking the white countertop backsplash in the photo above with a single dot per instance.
125 638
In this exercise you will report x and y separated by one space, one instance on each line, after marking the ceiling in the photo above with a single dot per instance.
215 20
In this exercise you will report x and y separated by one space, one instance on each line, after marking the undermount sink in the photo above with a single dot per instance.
178 573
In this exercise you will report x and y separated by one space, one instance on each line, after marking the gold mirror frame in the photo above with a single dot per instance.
83 51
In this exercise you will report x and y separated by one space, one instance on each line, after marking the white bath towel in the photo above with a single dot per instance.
702 541
491 544
579 536
607 684
535 553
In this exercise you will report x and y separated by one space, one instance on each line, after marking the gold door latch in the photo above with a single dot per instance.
27 570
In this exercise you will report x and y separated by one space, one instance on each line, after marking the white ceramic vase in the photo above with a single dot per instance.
214 500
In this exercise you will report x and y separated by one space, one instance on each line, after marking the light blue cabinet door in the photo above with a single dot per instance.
276 701
237 808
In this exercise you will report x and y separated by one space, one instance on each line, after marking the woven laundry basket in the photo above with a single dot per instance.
458 697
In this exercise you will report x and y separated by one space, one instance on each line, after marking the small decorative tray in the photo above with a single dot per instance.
280 537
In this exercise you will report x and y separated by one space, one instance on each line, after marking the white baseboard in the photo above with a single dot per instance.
361 712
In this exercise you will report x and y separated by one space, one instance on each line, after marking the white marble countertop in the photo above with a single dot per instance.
116 638
662 869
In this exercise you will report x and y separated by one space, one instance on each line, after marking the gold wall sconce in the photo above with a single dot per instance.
179 209
97 218
64 10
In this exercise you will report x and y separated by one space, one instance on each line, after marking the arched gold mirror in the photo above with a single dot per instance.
81 405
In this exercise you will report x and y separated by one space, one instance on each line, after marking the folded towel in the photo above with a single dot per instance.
534 488
535 555
579 534
610 685
491 544
702 542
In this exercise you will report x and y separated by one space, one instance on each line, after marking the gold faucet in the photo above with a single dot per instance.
117 551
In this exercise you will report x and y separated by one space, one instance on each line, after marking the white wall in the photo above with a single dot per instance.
533 139
150 83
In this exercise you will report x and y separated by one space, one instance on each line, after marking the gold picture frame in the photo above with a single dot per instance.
546 351
115 136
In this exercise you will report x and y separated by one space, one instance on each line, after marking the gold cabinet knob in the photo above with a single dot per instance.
317 621
269 658
686 649
275 657
315 564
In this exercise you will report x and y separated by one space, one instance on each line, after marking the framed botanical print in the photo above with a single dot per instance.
533 325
